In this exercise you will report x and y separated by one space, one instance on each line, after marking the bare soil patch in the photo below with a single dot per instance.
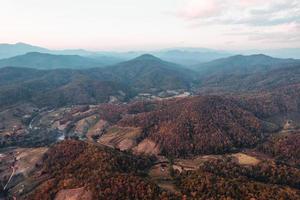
74 194
244 159
147 146
123 138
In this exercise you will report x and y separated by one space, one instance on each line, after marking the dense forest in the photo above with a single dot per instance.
251 109
224 179
199 125
284 148
111 174
107 173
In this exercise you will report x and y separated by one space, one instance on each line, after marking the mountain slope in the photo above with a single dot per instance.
198 125
143 74
244 65
11 50
79 170
253 82
49 61
18 49
66 86
101 172
147 73
56 87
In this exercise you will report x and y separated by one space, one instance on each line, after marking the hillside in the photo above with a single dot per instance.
56 87
252 82
285 148
203 147
240 64
279 102
50 61
214 124
146 73
99 171
18 49
199 125
226 179
67 86
80 170
11 50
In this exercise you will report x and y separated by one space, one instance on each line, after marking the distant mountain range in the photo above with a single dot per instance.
190 56
279 53
11 50
59 87
49 61
182 56
19 49
144 74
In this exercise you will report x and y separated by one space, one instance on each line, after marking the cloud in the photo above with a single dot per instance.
255 22
195 9
290 34
247 12
284 33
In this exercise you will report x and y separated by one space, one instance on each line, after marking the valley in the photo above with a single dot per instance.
121 127
154 125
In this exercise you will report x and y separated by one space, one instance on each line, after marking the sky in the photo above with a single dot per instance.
149 25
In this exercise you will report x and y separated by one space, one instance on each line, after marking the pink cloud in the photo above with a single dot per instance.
247 12
250 2
200 9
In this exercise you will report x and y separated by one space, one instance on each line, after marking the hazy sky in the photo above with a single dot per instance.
151 24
